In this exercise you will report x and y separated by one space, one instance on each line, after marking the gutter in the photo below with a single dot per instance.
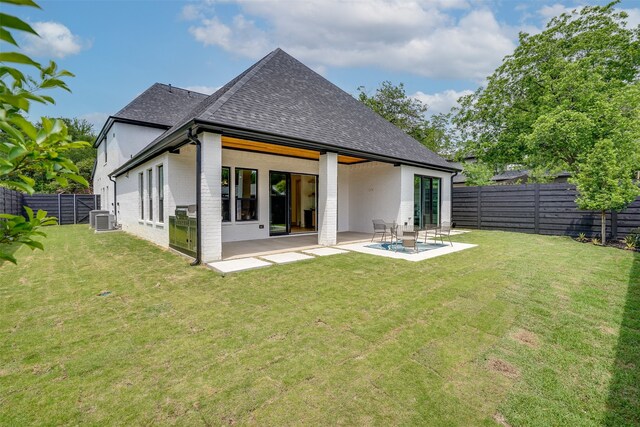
198 144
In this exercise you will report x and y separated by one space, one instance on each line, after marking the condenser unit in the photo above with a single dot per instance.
92 216
104 222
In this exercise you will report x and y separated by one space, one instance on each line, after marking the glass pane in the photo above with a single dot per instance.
246 209
226 186
417 207
435 201
278 203
246 183
426 192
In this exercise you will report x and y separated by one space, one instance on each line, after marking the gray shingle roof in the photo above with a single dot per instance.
280 96
161 104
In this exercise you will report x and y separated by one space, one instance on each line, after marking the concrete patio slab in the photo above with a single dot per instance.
420 256
286 257
241 264
325 251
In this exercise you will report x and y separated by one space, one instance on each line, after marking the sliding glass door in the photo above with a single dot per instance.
292 203
426 201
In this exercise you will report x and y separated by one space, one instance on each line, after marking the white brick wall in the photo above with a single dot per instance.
374 193
128 202
328 199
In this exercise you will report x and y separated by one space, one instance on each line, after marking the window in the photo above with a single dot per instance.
246 194
160 193
150 193
226 200
141 193
104 145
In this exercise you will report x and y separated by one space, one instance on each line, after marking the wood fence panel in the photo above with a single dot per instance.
535 208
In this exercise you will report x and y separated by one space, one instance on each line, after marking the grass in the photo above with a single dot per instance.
521 330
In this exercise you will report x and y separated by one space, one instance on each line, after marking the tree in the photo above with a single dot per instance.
24 148
603 182
409 114
559 96
84 158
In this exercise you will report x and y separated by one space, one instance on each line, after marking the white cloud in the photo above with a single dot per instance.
208 90
441 102
420 37
97 119
55 40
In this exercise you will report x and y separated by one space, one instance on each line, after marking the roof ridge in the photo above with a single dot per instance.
169 85
222 99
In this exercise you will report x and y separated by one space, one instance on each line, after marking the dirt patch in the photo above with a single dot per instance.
500 419
607 330
527 338
505 368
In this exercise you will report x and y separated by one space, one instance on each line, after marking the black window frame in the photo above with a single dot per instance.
241 199
160 179
228 199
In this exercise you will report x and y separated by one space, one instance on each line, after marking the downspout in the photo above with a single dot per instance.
453 224
115 198
198 144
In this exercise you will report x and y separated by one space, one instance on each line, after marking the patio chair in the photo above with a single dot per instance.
408 238
379 227
429 228
442 231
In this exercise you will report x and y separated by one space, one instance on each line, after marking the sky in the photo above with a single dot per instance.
439 49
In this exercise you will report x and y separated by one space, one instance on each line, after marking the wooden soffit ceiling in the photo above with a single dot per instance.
280 150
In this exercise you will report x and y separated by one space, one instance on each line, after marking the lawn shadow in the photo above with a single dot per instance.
623 403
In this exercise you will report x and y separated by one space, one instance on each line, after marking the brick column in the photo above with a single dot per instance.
328 200
211 197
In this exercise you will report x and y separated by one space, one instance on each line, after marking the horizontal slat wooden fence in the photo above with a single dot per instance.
68 208
536 208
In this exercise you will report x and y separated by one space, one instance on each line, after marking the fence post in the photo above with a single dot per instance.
59 211
479 207
614 225
75 210
536 208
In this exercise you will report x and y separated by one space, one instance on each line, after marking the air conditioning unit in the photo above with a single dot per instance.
92 216
104 222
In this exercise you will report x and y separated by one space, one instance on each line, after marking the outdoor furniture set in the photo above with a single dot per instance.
409 236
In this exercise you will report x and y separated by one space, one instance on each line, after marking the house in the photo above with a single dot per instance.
277 151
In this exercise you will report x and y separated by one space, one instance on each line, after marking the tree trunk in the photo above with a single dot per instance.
603 219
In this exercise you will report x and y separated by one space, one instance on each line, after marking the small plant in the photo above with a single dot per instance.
581 237
595 240
630 242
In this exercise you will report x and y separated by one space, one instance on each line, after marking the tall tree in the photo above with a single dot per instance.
84 158
410 115
560 94
24 148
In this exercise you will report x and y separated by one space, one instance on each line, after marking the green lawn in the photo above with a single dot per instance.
521 330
